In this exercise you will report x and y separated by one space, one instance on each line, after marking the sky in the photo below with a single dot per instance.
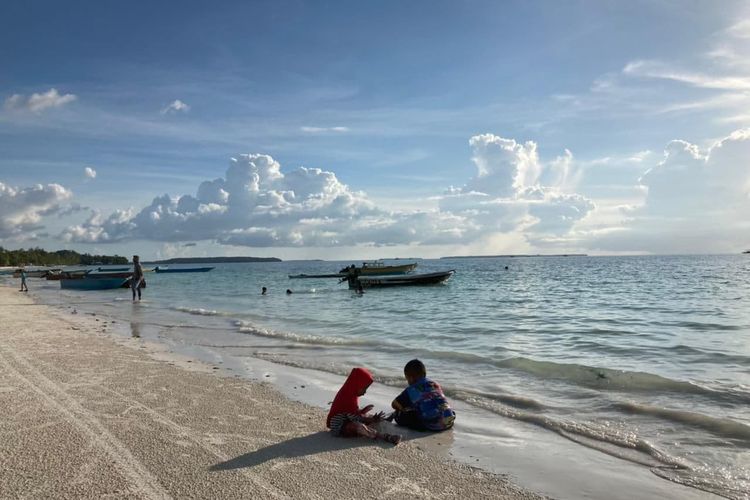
343 130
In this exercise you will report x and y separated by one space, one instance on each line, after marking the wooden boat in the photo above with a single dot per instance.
35 273
299 276
410 280
126 274
57 276
87 283
378 268
159 269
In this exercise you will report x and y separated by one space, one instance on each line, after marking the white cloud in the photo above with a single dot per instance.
740 29
659 70
176 106
322 130
89 172
14 102
696 201
513 190
21 209
256 204
37 103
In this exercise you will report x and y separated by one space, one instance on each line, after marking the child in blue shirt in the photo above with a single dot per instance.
422 406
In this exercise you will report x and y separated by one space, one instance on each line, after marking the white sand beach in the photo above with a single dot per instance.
85 417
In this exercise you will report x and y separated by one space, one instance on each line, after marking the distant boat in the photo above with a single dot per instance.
160 269
336 275
378 268
86 283
410 280
746 251
112 269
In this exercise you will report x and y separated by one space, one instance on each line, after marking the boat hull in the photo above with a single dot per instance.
92 283
411 280
378 270
303 276
186 270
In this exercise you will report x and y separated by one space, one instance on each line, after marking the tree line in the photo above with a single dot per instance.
40 257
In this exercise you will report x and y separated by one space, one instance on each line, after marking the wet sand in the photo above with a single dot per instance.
84 416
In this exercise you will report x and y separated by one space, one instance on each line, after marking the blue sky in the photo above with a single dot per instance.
399 101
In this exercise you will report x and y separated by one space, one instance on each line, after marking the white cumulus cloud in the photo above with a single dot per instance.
21 209
697 201
39 102
176 106
89 172
257 204
514 190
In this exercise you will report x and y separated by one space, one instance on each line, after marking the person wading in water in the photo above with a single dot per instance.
137 279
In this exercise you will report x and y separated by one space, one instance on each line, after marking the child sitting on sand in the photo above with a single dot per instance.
422 406
346 419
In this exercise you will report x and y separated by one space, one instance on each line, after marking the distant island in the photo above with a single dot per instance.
39 257
511 256
213 260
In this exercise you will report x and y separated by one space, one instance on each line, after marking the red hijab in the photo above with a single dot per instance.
347 399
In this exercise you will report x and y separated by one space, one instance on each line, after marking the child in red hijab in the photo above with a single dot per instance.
346 419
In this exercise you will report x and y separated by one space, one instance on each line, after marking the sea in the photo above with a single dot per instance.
645 358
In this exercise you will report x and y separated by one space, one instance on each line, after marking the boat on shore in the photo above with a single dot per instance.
74 274
159 269
116 274
35 273
402 280
379 268
86 283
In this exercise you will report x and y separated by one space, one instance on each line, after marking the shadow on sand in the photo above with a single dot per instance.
312 444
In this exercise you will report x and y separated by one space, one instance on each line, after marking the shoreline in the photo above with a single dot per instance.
536 459
88 415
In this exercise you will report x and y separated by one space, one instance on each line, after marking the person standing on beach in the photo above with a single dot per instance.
24 288
135 281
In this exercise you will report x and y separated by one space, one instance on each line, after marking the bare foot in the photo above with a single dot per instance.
392 438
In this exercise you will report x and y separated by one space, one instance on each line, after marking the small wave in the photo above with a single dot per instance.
601 437
700 326
308 339
516 401
719 426
719 481
618 380
199 311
